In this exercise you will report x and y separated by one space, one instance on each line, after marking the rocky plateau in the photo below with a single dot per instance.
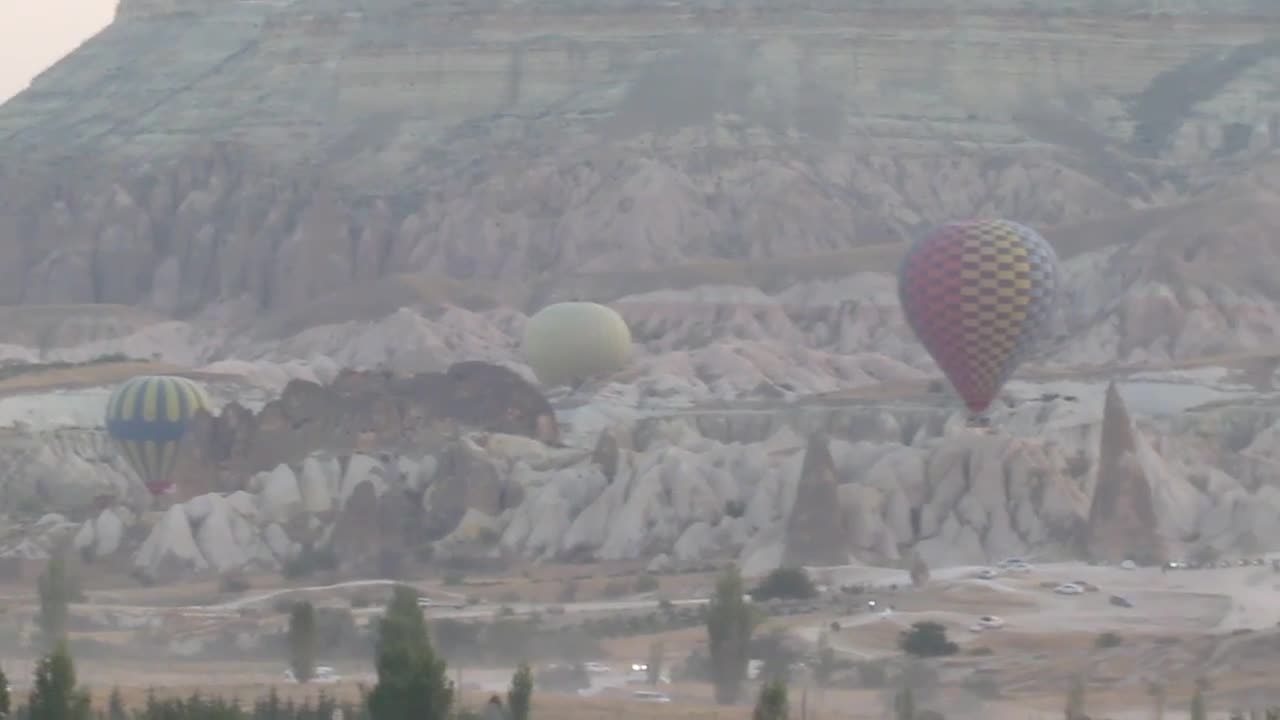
339 216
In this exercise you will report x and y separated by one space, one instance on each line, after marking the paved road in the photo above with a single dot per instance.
447 604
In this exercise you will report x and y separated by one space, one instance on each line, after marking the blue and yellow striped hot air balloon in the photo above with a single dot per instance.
148 416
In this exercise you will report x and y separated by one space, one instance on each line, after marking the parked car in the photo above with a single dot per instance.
324 675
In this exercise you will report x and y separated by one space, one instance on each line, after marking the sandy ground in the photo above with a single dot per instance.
1219 600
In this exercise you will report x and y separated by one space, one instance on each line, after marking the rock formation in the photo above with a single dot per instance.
231 177
919 571
816 532
1122 518
742 205
359 411
689 489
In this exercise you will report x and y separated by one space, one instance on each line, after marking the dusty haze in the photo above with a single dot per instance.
340 216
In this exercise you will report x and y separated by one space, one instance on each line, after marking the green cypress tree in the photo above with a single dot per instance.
412 681
904 705
302 641
55 590
520 696
54 695
653 671
115 706
772 703
4 695
271 710
1075 709
1198 710
729 627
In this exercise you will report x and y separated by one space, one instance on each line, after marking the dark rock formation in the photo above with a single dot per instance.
360 412
816 530
1122 520
357 534
463 482
606 454
919 570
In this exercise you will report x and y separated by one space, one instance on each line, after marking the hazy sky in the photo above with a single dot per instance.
36 33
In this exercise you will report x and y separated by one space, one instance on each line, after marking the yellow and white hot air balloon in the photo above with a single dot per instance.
569 342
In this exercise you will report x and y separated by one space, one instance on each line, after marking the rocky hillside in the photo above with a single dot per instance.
797 483
292 149
340 218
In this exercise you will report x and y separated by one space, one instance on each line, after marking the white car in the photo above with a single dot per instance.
1128 565
1018 567
987 574
324 675
990 622
651 696
595 667
1069 589
425 602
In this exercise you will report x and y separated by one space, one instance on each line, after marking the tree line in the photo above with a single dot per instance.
412 679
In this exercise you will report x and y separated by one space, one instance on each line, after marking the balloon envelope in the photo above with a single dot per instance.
979 295
147 416
572 341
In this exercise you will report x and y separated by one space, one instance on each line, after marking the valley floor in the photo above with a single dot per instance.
1179 625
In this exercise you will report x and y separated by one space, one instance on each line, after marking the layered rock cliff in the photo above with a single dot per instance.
292 149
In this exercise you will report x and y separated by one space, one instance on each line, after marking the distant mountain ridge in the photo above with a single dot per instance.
249 157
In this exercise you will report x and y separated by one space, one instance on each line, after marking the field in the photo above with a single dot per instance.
1179 626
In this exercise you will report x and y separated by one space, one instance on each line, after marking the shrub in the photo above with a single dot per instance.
785 583
927 639
1107 640
233 583
872 675
645 583
568 591
310 560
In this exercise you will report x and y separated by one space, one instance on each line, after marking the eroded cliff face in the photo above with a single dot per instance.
292 150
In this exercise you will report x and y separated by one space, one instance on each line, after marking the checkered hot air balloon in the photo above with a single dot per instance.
979 294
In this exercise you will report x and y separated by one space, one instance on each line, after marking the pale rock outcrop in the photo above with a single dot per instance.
360 469
170 552
319 484
223 536
278 542
281 497
102 536
41 539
